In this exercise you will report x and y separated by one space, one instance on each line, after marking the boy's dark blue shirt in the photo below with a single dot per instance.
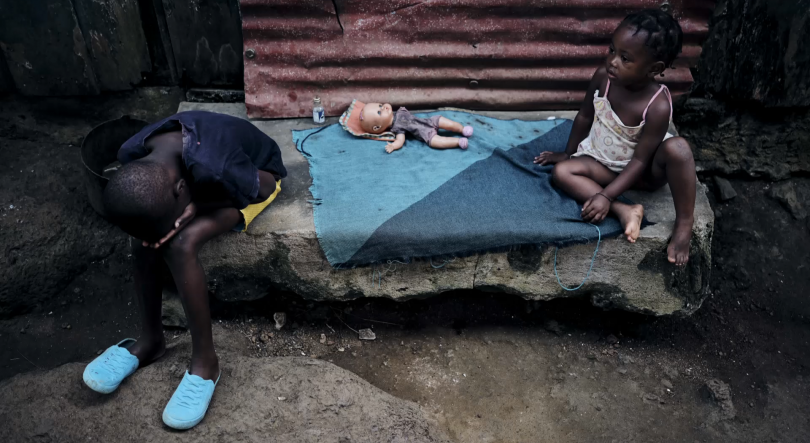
220 149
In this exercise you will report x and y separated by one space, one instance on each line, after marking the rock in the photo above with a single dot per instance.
323 339
725 191
173 314
719 393
314 401
750 144
612 339
667 384
366 334
280 318
670 372
785 194
281 252
553 326
265 337
625 359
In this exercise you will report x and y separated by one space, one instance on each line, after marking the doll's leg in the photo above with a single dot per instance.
450 125
439 142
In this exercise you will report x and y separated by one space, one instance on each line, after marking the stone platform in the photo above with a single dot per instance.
281 252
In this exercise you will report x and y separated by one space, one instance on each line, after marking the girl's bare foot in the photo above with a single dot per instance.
678 249
630 217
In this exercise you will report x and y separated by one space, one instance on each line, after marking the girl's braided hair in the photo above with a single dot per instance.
664 34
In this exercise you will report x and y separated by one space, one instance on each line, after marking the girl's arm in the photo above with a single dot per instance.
652 136
582 123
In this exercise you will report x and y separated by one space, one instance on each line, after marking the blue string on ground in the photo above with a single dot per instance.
593 259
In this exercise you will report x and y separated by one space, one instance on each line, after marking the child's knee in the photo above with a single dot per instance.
678 149
182 247
560 172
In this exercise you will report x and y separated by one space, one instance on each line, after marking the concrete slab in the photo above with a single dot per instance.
281 252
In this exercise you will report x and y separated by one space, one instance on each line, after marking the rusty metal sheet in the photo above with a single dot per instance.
45 49
206 40
115 39
478 54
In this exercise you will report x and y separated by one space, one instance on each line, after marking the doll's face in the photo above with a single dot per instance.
376 117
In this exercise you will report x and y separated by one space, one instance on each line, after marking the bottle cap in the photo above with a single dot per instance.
317 100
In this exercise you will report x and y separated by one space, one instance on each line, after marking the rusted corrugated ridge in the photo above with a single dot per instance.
477 54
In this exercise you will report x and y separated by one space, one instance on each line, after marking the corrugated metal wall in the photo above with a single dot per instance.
479 54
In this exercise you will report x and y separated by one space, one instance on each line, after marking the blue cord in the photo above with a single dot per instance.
593 259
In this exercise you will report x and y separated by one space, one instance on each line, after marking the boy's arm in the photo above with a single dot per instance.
582 123
652 135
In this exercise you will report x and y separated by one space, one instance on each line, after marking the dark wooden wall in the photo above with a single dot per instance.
85 47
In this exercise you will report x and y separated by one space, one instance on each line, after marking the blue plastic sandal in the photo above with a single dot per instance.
108 370
189 402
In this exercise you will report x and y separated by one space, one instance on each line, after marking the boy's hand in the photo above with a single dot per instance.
551 158
187 215
595 209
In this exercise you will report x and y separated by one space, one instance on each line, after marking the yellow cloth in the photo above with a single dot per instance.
255 209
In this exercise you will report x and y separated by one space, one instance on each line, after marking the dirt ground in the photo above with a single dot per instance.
488 367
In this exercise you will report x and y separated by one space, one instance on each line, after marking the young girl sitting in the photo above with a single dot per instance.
379 122
619 140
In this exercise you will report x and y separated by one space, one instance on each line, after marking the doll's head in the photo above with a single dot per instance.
371 121
376 118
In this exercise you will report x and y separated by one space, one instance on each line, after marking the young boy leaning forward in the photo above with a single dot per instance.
185 180
619 139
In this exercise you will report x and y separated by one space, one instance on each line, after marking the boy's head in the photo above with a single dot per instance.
643 46
375 118
145 198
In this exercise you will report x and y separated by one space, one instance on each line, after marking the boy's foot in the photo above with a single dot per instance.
189 402
463 143
205 368
108 370
467 131
630 217
678 249
147 352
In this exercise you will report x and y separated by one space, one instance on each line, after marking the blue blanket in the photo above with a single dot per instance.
419 202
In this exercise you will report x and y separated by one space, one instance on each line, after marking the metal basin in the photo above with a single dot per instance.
99 149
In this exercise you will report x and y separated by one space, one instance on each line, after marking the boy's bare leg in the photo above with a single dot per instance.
441 142
674 164
148 274
583 177
450 125
181 254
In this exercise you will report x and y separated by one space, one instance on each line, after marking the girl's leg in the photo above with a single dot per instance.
673 163
189 276
583 177
441 142
450 125
150 269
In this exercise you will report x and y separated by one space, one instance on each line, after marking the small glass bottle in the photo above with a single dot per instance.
317 111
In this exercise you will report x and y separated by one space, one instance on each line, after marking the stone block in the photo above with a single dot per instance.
280 251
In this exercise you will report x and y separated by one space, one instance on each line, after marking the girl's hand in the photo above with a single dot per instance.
187 215
595 209
551 158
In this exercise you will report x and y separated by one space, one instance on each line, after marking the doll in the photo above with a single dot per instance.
378 121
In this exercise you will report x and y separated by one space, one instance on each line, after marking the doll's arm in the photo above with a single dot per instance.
396 144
